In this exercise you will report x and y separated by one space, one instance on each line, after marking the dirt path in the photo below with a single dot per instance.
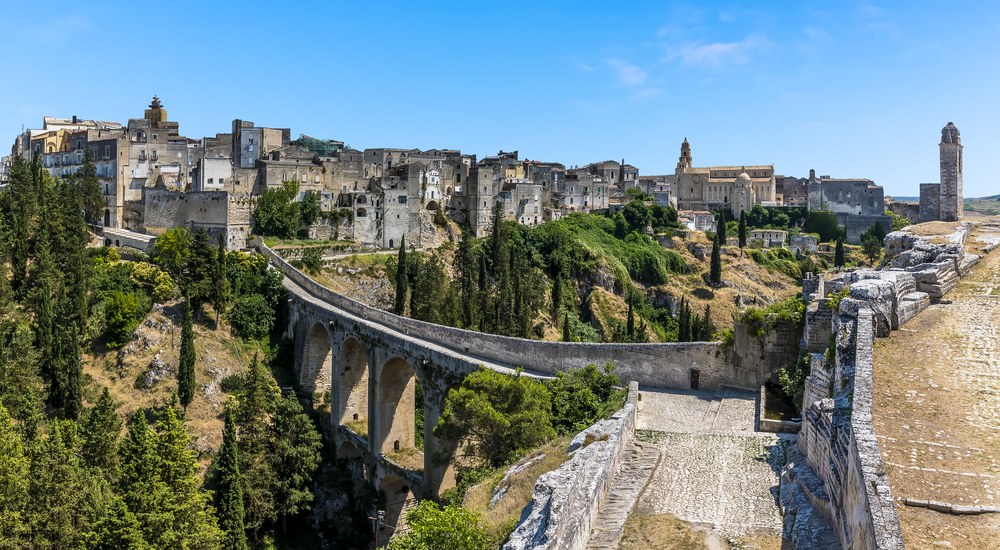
936 405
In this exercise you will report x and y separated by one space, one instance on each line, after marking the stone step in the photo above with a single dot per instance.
637 465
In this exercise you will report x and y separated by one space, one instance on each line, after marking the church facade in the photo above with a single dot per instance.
732 188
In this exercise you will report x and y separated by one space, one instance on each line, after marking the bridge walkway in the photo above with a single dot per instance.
315 301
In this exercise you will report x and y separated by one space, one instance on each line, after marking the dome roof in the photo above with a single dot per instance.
743 179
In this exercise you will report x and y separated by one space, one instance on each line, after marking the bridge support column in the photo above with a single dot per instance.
437 478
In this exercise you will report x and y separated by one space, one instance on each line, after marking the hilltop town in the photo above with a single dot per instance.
154 178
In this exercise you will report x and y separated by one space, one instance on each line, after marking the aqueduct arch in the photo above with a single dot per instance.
352 377
396 406
317 359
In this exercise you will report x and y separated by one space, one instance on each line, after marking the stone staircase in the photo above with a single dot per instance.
638 463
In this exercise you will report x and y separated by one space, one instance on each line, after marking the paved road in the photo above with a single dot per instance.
715 471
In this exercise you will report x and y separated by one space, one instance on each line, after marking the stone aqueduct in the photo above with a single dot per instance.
370 359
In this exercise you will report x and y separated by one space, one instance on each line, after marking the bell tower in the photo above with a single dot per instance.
951 204
684 162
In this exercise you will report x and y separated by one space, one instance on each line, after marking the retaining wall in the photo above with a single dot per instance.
566 501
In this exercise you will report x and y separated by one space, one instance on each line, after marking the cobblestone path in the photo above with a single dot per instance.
936 411
714 470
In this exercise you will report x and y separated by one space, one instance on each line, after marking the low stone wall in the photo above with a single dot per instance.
837 437
666 365
566 501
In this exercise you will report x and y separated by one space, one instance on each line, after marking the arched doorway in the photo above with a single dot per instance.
432 205
353 387
314 375
397 406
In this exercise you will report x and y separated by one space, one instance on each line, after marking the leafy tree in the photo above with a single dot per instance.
171 250
823 223
838 255
715 271
185 368
229 494
199 269
402 278
277 212
14 484
582 396
122 313
637 215
295 457
498 417
742 231
310 207
312 259
872 248
100 431
898 222
621 226
251 316
451 527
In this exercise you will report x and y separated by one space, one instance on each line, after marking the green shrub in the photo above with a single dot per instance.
312 259
233 383
251 316
582 396
122 313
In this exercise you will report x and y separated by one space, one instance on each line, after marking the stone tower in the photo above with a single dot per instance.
951 174
685 161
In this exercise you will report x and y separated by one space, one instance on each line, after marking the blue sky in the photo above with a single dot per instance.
852 89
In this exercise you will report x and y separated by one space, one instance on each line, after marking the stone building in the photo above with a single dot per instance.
792 191
768 237
732 188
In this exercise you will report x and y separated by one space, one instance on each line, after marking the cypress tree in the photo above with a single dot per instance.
295 457
715 273
567 335
720 227
742 231
72 390
185 370
219 294
630 319
484 296
708 327
466 261
683 322
402 281
557 293
14 483
229 495
838 256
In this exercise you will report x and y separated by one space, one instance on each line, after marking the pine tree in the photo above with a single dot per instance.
295 457
56 509
715 274
185 370
192 519
838 256
229 494
100 431
118 529
402 280
139 482
720 227
742 231
219 294
14 484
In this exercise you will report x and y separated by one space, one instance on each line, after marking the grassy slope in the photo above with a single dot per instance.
985 205
218 355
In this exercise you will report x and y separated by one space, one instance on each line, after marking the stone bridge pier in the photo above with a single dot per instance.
372 380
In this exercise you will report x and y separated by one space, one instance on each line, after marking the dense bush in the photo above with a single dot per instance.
777 259
122 313
251 316
278 213
582 396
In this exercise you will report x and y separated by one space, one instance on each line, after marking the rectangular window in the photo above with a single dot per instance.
211 181
222 181
402 199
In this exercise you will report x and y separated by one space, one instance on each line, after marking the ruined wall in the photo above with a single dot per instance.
930 202
566 501
217 212
855 226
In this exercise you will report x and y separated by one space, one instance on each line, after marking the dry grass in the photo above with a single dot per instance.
661 532
217 357
928 229
359 427
502 517
933 415
409 458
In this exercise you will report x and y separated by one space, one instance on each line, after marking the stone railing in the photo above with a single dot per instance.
665 365
566 501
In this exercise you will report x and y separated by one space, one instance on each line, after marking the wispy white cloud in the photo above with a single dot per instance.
718 54
628 74
585 67
58 29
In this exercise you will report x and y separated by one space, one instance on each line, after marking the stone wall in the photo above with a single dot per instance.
930 202
217 212
566 501
855 226
837 437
